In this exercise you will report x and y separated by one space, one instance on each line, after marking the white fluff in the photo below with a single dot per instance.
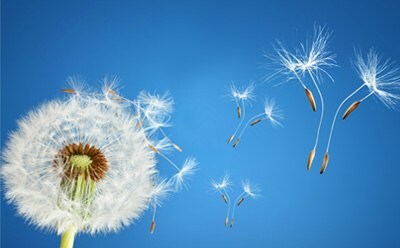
32 183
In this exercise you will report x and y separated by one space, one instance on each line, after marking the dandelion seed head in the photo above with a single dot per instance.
91 139
381 77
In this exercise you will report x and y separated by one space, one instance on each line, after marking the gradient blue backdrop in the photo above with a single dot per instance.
195 50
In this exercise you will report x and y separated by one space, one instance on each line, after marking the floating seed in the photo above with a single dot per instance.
311 99
352 107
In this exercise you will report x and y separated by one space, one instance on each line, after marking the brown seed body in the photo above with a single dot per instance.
177 147
96 170
70 91
352 107
232 221
152 226
240 201
236 143
255 122
226 221
310 159
239 112
230 138
311 99
153 148
224 198
324 163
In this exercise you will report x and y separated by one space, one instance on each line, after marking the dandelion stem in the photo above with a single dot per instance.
240 123
234 205
229 204
370 94
169 160
337 112
298 78
67 238
322 108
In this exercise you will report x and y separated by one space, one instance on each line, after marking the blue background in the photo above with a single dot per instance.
195 50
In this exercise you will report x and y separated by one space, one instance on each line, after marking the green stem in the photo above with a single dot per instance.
67 238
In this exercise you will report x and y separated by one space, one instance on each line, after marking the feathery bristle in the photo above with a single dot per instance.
255 122
352 107
324 163
310 159
239 112
236 142
152 226
311 99
240 201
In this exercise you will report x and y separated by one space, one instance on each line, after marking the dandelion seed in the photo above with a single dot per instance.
230 138
240 202
222 188
249 190
160 191
352 107
272 112
70 91
313 57
324 163
152 226
177 147
68 160
382 78
310 159
224 198
236 142
255 122
241 97
188 169
310 98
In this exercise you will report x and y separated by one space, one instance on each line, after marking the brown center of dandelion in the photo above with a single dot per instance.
79 159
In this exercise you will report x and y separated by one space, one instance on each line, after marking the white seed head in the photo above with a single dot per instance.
34 175
381 77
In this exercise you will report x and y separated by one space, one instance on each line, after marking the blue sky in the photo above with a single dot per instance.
194 50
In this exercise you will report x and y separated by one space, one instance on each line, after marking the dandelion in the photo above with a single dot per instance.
249 190
240 97
160 191
382 78
68 160
289 64
222 189
314 56
272 113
